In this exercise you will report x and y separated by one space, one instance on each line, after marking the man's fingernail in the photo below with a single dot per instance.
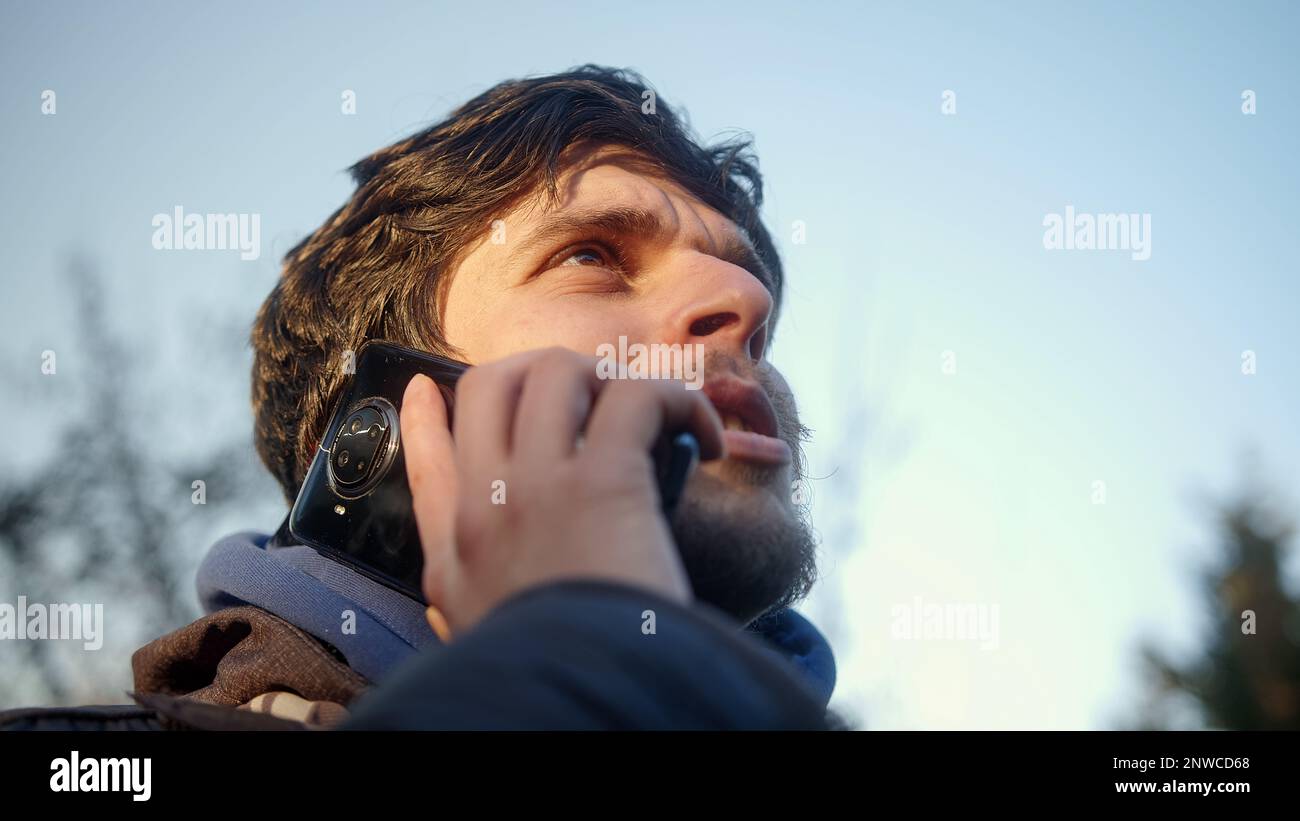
418 385
439 623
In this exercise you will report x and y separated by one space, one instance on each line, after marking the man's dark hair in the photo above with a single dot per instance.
376 268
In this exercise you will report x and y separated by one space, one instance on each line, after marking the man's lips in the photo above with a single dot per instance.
750 426
755 447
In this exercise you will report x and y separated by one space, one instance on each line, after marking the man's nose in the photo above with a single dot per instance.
722 306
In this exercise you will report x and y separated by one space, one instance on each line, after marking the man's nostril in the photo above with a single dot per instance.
711 324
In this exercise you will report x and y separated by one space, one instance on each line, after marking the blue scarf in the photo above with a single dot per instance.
314 593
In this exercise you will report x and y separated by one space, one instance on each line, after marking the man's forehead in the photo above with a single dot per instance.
612 177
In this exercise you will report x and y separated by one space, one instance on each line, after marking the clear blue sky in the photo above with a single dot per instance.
924 235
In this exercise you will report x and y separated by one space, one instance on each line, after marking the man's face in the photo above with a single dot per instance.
627 253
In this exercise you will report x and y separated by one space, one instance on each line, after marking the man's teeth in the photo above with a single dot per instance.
732 422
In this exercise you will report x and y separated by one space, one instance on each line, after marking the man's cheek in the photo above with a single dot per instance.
529 326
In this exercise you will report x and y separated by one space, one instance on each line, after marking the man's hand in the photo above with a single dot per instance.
571 509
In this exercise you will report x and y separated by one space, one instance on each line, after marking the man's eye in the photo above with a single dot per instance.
587 255
608 268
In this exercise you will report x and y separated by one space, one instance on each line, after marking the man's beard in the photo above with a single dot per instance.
746 551
744 556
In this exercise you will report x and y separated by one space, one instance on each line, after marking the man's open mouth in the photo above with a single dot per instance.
750 429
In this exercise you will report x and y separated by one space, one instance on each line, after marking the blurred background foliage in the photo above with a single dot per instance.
1245 672
108 514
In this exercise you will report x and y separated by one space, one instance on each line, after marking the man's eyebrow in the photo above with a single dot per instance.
621 220
641 223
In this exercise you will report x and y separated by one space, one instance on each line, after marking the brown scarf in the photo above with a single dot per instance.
246 659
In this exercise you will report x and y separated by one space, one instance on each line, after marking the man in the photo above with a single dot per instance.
543 220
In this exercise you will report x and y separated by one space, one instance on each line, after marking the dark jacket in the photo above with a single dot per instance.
569 655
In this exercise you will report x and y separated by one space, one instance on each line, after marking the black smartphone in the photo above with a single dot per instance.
355 504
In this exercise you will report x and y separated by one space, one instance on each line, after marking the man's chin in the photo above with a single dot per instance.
745 548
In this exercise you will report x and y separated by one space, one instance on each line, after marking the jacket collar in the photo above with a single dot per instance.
311 592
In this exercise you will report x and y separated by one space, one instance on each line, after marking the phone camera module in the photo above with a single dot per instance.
364 445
